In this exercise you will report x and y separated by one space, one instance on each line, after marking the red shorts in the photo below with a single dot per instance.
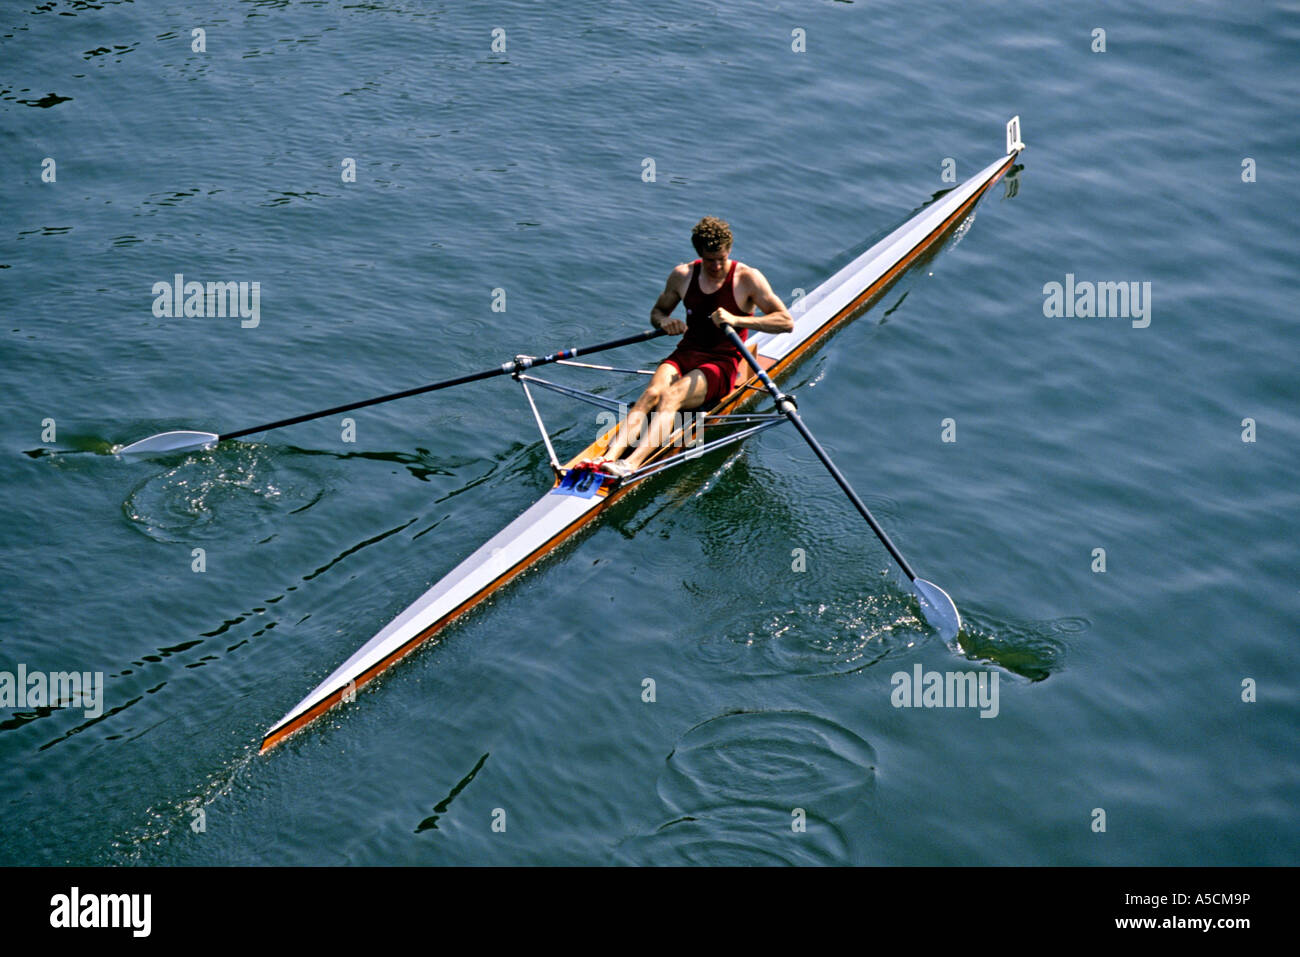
719 371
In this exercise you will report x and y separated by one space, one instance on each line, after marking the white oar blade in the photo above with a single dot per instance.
171 442
939 610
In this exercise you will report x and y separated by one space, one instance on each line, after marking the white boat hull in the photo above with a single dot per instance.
557 515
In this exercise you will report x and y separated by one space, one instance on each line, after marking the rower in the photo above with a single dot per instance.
705 365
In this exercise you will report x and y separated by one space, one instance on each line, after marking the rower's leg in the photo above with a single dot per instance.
688 392
632 427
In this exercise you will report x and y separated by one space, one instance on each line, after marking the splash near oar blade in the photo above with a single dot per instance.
182 441
939 609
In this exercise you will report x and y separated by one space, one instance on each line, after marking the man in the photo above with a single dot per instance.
705 365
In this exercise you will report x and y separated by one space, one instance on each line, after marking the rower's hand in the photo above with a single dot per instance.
674 327
722 315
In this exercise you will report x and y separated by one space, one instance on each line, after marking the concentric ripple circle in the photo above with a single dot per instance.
775 759
739 836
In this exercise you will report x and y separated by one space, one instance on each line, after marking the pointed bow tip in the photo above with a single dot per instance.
278 733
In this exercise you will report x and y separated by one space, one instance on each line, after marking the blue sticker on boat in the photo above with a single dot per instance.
583 483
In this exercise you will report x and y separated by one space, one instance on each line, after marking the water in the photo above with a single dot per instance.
522 170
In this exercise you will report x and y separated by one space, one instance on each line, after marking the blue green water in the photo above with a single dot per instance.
522 169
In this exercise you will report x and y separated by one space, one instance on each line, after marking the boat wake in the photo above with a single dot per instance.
185 817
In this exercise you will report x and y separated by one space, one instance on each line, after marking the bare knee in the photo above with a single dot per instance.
667 406
674 397
650 399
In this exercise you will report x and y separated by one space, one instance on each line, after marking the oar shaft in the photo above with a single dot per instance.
505 369
307 417
786 407
848 490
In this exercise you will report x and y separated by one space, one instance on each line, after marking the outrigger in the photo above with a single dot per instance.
580 493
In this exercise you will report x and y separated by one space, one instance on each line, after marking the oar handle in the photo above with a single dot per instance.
786 407
600 347
507 368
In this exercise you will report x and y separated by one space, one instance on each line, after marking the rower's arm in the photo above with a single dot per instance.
775 317
661 314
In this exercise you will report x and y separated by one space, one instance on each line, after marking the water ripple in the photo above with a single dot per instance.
741 836
220 493
845 638
758 788
775 759
1031 649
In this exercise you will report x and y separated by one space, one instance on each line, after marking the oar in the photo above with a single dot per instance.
183 440
938 608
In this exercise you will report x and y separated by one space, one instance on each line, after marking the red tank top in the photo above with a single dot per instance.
701 334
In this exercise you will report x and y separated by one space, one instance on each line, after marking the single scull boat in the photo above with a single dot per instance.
580 495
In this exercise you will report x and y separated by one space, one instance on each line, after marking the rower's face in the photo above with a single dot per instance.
715 263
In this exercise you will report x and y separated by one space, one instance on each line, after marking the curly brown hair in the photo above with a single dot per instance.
710 235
